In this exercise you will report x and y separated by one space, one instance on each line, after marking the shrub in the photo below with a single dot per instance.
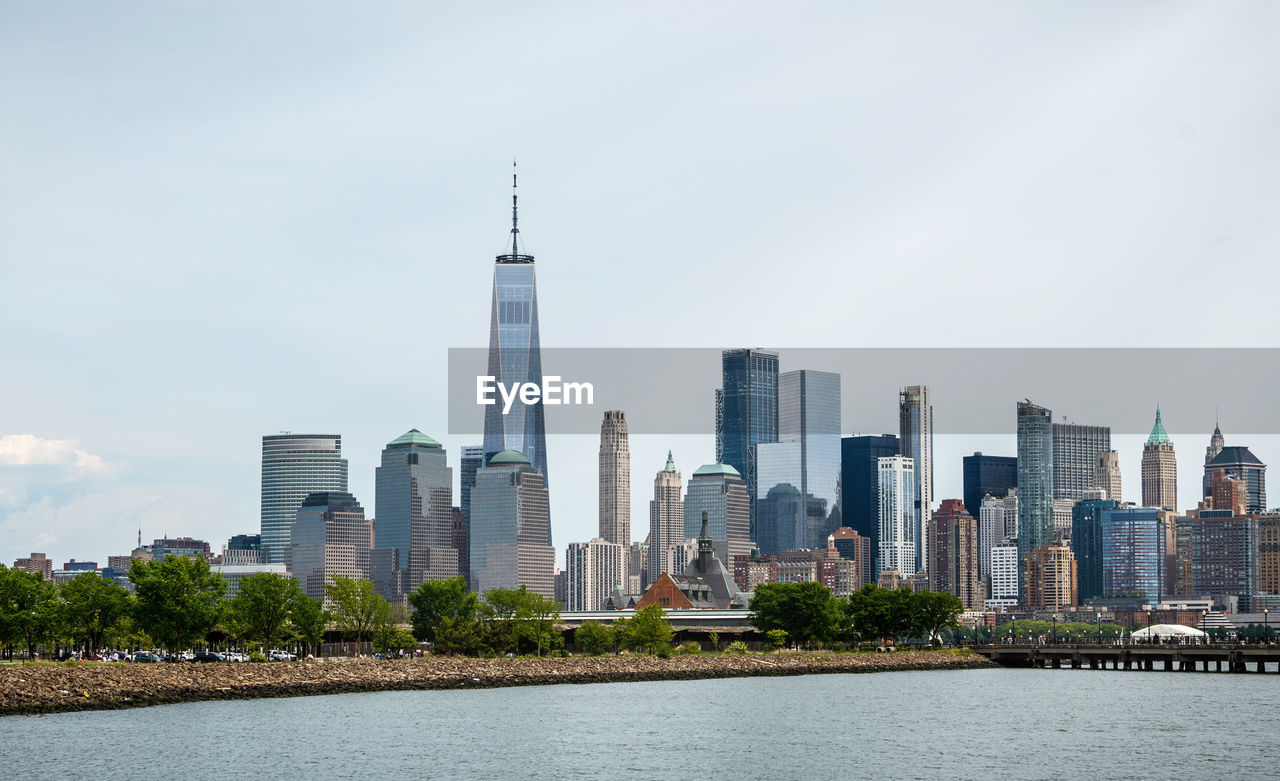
689 649
663 652
257 657
737 647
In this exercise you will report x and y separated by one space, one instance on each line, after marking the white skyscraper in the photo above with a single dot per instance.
1004 576
915 432
898 514
592 571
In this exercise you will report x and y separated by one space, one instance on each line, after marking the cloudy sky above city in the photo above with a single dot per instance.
226 221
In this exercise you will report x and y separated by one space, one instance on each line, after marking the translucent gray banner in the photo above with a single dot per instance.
974 390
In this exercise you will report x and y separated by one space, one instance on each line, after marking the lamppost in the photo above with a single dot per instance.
1266 626
1054 636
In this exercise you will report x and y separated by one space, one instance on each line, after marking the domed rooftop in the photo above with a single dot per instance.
413 437
508 458
717 470
1167 630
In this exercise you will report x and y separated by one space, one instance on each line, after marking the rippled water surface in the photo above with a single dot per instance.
950 724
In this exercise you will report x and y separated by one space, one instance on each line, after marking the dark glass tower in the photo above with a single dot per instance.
860 486
1035 479
515 354
984 475
747 412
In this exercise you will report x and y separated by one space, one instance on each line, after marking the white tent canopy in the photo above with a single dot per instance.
1167 630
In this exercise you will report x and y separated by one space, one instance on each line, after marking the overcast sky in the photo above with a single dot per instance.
227 220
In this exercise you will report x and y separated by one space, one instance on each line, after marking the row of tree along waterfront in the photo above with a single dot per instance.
179 603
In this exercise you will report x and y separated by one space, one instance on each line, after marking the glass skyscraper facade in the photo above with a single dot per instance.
1086 544
860 485
987 475
1133 552
294 466
1222 551
719 491
414 512
746 413
511 527
806 458
915 434
515 356
1240 462
1035 478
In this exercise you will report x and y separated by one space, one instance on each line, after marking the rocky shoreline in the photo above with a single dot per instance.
52 688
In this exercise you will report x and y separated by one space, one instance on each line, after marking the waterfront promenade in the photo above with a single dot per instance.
1228 658
50 688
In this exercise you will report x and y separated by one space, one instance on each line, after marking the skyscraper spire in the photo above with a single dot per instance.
515 214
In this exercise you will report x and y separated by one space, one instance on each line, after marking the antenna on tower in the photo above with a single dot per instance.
515 215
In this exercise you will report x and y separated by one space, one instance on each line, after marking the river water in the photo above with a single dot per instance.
978 724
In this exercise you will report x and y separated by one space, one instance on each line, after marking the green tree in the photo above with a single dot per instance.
539 627
879 614
93 608
178 600
805 611
505 610
29 609
458 636
936 610
307 618
260 609
714 637
593 637
357 608
648 629
437 600
777 638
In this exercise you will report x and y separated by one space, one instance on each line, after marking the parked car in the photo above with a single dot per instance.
281 656
186 656
208 656
145 656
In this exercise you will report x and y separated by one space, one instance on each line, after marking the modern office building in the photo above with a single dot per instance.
592 571
746 414
1221 551
413 530
860 486
294 466
956 554
805 459
1051 578
1106 476
988 476
515 357
234 573
615 479
1076 448
1062 518
1239 462
1133 554
243 550
915 433
511 527
1035 478
897 514
1086 544
719 491
330 537
182 547
1159 469
666 519
470 461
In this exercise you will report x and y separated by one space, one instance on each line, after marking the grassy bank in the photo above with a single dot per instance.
52 688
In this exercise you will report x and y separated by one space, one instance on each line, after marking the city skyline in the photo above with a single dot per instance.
267 205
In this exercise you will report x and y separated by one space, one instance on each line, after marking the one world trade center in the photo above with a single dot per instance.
514 353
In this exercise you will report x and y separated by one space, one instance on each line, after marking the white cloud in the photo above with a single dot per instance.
30 450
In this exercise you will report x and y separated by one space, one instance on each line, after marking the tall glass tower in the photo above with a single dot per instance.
294 466
515 355
1035 478
915 432
746 414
